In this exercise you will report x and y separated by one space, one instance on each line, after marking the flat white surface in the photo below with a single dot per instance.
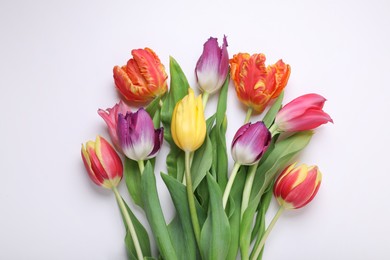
56 60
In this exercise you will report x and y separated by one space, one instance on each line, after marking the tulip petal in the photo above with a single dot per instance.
158 140
310 120
299 105
108 158
88 166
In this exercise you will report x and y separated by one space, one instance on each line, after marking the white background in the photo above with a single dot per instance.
56 60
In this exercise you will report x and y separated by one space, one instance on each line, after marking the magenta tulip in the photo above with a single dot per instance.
250 143
213 65
137 136
302 113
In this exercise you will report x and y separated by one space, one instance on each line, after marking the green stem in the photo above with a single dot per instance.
230 184
248 188
141 166
248 115
205 98
258 249
191 199
130 225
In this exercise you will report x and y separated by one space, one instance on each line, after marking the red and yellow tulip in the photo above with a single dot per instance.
143 78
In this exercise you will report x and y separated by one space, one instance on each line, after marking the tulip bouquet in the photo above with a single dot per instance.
219 214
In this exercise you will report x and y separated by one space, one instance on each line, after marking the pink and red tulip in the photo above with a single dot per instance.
103 164
250 143
297 186
302 113
256 85
137 136
213 66
110 116
143 78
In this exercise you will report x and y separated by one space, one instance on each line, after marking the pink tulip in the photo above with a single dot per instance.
302 113
102 163
110 116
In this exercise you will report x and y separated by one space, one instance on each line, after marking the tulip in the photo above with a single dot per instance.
255 83
213 65
303 113
293 189
102 163
297 186
250 143
143 78
137 136
188 124
110 116
188 129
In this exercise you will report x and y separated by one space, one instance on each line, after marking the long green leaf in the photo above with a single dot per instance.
215 234
154 213
278 158
180 228
271 114
133 180
220 157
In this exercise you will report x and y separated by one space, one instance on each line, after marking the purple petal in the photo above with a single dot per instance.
240 132
158 140
210 58
224 61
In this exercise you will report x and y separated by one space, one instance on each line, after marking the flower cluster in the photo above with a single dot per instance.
218 215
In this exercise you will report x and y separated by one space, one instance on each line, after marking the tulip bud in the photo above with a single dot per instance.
110 116
297 186
213 65
137 136
302 113
143 78
250 143
102 163
255 83
188 125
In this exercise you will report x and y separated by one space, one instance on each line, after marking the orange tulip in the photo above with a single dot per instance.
143 78
255 83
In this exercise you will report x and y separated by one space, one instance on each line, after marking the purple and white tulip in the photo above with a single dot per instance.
250 143
110 116
213 66
137 136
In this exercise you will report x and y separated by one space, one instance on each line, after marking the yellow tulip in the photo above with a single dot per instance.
188 126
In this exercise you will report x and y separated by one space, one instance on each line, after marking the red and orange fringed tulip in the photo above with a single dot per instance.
102 163
143 78
297 186
255 83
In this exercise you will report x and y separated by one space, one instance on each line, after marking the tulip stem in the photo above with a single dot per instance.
258 249
129 224
191 199
205 98
230 184
248 115
141 166
248 188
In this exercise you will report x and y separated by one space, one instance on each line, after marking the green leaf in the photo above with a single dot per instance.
153 106
133 180
215 234
178 89
142 236
235 214
271 114
181 226
175 162
218 138
201 163
154 213
277 159
259 227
